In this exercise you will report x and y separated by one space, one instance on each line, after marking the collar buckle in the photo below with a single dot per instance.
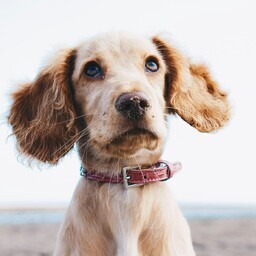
163 164
126 177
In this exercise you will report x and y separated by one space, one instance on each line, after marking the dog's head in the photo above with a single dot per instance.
112 95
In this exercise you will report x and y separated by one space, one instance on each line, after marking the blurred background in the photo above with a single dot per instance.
216 189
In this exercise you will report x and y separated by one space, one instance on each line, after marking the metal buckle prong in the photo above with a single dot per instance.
83 172
126 178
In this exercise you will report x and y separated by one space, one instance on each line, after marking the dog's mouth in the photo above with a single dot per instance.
136 132
129 142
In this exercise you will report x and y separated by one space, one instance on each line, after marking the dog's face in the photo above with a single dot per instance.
119 84
112 95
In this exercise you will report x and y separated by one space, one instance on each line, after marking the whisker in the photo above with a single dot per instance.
178 109
62 122
78 136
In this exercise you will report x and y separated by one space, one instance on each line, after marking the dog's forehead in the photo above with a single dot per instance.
117 45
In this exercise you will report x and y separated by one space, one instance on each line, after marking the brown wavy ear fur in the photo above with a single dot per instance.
42 114
191 92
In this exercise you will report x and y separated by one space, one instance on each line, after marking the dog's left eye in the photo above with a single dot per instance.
151 65
93 69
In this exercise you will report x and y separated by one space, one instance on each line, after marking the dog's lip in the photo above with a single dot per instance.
133 132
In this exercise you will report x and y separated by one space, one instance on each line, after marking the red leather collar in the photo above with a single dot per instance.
132 176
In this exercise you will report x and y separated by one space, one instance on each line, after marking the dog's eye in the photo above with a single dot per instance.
93 69
151 65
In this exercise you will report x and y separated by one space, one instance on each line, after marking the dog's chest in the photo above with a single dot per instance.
138 208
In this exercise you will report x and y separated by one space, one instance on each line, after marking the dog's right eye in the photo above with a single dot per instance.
92 69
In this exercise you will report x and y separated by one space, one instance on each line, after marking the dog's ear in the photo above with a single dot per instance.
42 114
191 92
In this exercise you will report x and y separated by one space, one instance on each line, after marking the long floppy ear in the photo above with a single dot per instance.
191 92
42 114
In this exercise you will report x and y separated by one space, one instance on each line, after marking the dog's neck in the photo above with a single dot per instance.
113 165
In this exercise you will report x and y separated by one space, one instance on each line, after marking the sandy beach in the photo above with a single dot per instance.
212 237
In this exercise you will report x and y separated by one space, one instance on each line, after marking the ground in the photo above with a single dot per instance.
213 237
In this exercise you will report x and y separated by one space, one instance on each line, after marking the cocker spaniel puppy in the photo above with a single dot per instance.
111 96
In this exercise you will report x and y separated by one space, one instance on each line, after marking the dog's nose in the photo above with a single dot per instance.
132 105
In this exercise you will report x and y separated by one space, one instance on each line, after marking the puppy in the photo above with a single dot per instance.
111 96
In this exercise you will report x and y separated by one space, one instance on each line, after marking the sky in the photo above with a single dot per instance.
218 168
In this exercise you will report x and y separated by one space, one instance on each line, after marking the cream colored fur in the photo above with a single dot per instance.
139 221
